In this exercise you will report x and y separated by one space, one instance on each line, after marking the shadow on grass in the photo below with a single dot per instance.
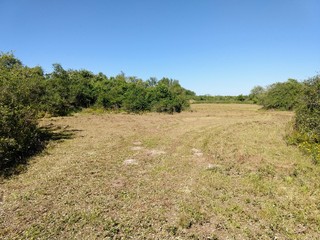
46 134
55 133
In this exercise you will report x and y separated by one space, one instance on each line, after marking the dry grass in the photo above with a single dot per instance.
217 172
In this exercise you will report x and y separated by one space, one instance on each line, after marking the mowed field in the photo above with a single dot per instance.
219 171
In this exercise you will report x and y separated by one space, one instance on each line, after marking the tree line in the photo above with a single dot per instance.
222 99
27 93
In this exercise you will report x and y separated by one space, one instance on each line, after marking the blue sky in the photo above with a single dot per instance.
217 47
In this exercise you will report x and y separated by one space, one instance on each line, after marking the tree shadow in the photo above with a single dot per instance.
52 132
46 134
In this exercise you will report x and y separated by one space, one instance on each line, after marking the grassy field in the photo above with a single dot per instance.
219 171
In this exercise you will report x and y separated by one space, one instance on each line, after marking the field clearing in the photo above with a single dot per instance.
220 171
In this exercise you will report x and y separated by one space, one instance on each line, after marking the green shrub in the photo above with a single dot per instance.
60 101
21 94
19 135
257 94
110 92
282 96
307 120
168 96
308 112
135 98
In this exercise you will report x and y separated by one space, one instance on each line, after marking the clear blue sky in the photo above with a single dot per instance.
217 47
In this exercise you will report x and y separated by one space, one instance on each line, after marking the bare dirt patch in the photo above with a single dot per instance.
136 148
154 152
197 152
130 161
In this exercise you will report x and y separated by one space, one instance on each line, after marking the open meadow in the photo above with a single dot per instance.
218 171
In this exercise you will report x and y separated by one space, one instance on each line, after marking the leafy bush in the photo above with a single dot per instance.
21 91
110 92
20 84
307 121
257 94
283 96
168 96
82 88
308 112
136 95
135 98
60 101
19 134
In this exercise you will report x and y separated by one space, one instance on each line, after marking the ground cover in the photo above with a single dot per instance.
218 171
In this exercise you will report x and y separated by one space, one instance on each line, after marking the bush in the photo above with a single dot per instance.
257 94
19 135
168 96
282 96
307 121
21 92
308 112
21 85
59 100
135 98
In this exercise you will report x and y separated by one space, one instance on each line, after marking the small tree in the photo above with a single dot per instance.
308 113
256 94
283 96
135 98
21 92
306 132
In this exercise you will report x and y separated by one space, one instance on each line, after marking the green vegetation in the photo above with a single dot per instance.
257 94
304 99
219 171
20 89
27 94
307 121
72 90
222 99
282 96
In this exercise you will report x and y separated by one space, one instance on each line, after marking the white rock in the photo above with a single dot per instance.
130 162
197 152
194 150
154 152
213 166
136 148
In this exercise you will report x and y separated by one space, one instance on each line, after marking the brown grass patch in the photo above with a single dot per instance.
248 184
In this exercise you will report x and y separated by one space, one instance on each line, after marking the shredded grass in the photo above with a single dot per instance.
220 171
